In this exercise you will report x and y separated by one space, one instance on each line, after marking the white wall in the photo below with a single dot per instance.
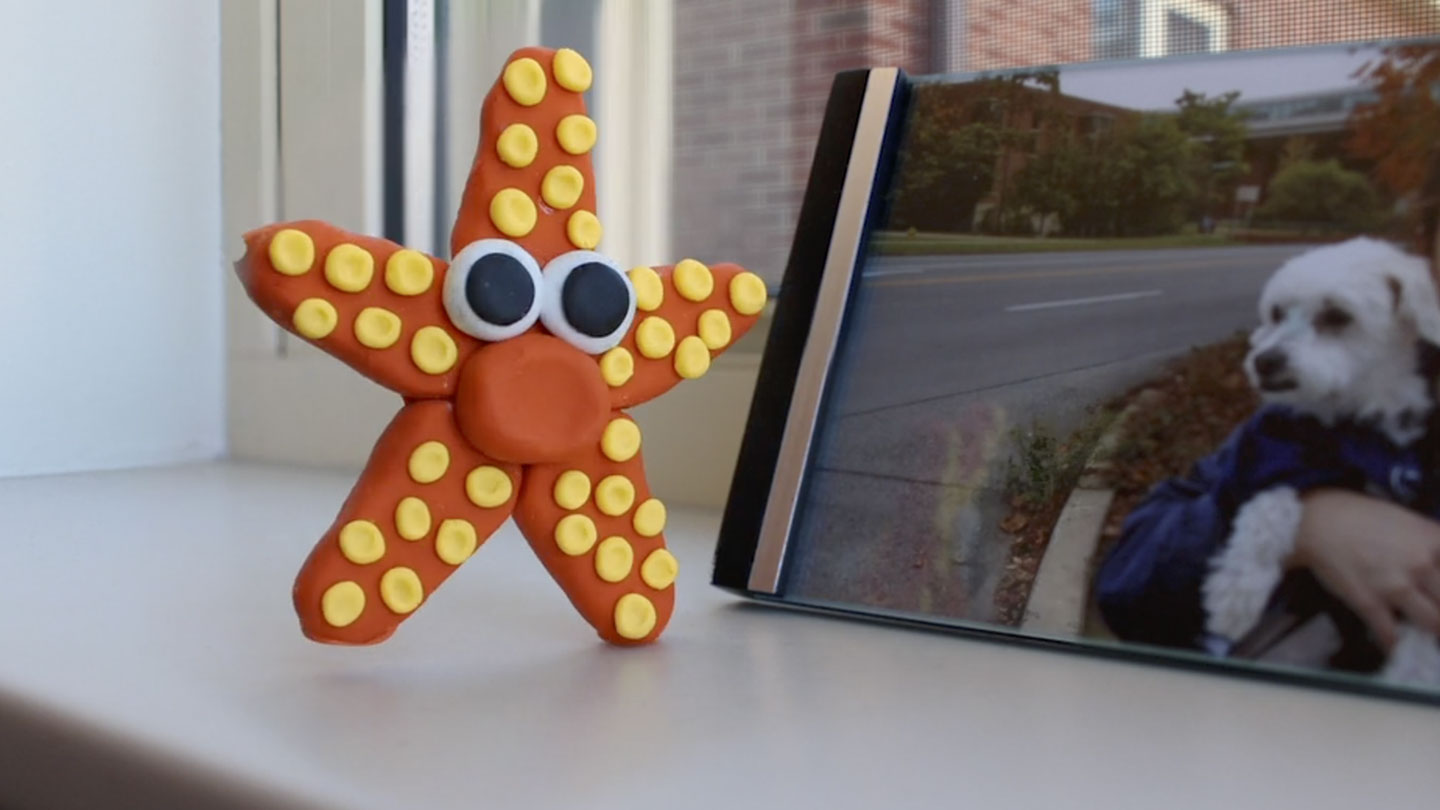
111 307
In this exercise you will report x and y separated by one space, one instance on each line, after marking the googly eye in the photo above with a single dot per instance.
493 290
589 302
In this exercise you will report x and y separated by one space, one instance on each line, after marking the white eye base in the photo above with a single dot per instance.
493 290
589 302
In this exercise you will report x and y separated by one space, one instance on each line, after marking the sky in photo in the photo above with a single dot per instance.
1154 85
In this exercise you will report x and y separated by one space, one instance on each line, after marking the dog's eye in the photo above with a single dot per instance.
1277 314
1333 319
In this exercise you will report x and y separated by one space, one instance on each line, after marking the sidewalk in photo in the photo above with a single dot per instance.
1060 594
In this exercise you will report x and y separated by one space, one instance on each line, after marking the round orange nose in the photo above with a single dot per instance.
531 399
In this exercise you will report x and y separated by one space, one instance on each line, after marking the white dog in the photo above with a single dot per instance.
1339 340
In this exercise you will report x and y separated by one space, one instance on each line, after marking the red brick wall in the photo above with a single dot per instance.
1005 33
831 37
751 81
733 121
1010 33
1281 23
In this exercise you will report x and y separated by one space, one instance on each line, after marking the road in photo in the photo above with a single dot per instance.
947 354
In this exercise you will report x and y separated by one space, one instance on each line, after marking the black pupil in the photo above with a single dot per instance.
499 289
1334 319
595 299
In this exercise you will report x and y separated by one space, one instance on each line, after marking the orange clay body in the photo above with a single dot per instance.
529 425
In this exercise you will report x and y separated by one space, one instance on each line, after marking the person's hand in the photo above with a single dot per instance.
1381 559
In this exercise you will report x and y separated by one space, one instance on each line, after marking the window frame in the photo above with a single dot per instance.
304 130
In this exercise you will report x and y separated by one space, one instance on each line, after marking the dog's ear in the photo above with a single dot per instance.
1416 302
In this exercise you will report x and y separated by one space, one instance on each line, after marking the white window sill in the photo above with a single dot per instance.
151 659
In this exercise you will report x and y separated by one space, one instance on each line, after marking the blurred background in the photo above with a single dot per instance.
142 139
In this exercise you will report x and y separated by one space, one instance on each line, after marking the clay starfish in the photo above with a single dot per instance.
515 362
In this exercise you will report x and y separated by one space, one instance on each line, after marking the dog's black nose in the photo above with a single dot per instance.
1270 363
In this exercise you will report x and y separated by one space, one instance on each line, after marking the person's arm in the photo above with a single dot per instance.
1381 559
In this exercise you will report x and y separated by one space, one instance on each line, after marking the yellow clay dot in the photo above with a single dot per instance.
614 495
617 366
488 487
572 490
400 589
408 272
649 291
517 146
525 81
412 518
714 328
377 328
620 441
513 212
455 541
428 462
613 559
649 518
634 616
659 569
432 350
576 134
747 293
584 230
693 280
342 603
292 252
575 534
692 359
349 268
572 72
315 318
655 337
562 186
361 542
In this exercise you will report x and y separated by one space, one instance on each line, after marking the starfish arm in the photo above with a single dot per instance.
425 501
367 301
598 531
686 316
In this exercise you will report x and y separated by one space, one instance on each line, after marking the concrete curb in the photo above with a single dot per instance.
1058 597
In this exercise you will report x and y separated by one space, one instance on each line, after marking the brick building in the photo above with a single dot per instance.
751 78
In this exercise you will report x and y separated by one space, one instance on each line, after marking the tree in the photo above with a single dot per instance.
1313 193
1022 108
1217 161
1153 181
1297 148
1400 130
1131 183
943 175
1052 181
956 150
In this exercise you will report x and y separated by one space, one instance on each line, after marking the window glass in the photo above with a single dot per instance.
749 79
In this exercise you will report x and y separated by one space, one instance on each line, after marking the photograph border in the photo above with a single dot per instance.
811 315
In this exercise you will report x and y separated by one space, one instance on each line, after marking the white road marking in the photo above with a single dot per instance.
897 271
1080 302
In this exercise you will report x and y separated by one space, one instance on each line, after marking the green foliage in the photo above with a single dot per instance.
952 151
1035 472
945 174
1130 183
1153 182
1216 161
1322 195
1297 148
1143 177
